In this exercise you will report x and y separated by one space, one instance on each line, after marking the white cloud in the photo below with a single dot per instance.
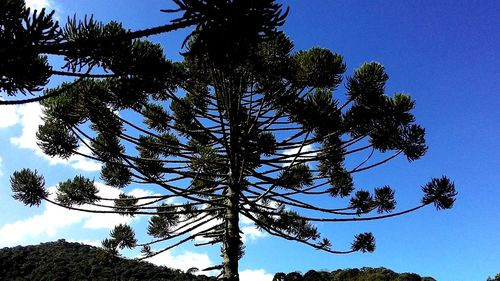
253 275
97 221
46 223
29 116
183 261
186 260
55 218
8 116
137 192
49 5
293 151
39 4
251 233
94 243
81 163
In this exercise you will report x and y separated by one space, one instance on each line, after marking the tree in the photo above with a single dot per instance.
409 277
280 276
497 277
294 276
363 274
63 260
313 275
243 126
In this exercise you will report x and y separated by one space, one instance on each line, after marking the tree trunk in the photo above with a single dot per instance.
231 242
231 248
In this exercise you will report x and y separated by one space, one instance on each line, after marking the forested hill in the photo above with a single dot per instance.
63 260
353 274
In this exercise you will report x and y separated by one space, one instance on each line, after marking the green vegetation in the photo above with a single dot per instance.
496 278
63 260
352 274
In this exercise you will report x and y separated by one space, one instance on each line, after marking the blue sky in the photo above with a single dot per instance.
443 53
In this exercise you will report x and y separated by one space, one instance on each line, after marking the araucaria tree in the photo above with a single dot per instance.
243 126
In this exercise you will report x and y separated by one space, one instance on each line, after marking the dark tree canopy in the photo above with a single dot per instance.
244 125
496 278
66 261
351 274
63 260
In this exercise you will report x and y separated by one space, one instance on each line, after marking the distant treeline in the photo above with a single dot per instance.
354 274
61 261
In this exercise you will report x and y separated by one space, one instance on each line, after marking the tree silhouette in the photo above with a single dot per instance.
496 278
243 126
365 273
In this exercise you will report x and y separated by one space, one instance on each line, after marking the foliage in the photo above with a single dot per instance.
63 260
28 187
26 71
496 278
244 125
352 274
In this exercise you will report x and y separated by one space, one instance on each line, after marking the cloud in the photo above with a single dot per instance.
49 5
55 218
251 233
8 116
258 274
39 4
186 260
81 163
94 243
293 151
97 221
183 261
29 116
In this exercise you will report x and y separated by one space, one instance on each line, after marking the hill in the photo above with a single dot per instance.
352 274
61 261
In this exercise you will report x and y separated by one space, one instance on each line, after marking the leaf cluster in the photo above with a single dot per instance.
28 187
228 31
22 30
